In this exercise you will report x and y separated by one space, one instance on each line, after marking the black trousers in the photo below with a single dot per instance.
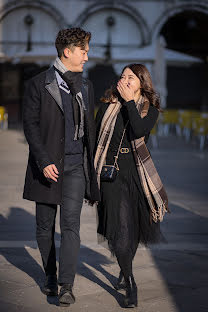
70 210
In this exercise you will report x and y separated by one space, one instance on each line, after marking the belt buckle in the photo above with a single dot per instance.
124 150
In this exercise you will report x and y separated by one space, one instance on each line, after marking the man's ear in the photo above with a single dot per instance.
67 52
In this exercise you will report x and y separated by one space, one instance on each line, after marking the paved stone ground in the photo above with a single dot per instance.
171 277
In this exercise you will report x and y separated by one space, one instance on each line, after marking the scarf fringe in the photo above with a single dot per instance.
76 133
158 215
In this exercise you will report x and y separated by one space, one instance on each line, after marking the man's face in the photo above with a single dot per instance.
75 58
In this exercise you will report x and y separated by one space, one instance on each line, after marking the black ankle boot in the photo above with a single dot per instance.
120 282
131 300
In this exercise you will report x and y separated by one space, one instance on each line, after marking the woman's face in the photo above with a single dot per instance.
131 80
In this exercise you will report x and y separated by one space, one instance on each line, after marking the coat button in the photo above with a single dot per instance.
62 140
61 160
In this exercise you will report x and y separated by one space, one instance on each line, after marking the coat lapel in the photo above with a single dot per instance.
85 93
53 88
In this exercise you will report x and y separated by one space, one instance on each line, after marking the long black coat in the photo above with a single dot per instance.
44 128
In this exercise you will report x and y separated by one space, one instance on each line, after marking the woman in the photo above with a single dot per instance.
132 205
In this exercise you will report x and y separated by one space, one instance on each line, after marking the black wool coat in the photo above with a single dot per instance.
44 128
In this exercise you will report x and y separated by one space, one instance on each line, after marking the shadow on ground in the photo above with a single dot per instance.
20 258
184 270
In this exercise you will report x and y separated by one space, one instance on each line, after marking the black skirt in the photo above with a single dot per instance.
124 213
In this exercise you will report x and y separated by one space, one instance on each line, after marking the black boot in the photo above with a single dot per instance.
50 287
131 300
66 296
120 282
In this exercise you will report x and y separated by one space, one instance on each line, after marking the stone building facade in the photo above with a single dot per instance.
169 36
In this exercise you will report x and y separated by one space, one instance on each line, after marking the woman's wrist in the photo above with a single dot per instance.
128 102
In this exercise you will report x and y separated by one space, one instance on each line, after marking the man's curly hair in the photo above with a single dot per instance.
71 37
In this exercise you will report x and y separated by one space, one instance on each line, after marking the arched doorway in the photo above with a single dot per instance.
186 32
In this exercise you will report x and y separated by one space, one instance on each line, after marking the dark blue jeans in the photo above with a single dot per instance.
70 210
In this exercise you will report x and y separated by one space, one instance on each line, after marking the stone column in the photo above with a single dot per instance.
160 70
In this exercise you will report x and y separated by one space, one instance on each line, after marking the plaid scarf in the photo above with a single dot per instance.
150 180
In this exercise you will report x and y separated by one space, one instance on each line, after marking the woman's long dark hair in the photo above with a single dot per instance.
146 86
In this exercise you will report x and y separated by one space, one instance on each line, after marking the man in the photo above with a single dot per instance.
58 119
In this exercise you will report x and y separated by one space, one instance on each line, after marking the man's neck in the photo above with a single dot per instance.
66 64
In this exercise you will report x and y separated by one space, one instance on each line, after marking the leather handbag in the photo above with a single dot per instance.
109 172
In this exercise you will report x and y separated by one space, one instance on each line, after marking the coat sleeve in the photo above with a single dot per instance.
92 111
31 125
141 126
